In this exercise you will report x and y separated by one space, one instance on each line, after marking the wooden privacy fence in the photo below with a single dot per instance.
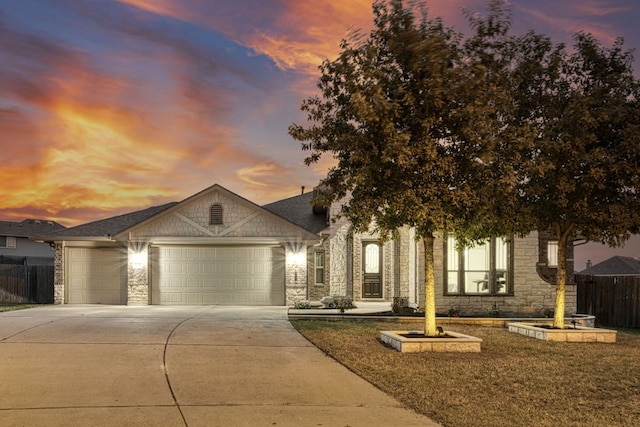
615 301
21 283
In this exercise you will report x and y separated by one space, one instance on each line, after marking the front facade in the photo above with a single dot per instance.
218 248
513 276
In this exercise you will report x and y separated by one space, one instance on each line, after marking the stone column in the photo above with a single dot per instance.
58 273
138 274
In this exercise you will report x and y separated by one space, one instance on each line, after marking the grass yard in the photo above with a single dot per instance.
514 381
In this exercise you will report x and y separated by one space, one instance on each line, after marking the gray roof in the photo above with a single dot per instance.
112 226
298 210
29 227
614 266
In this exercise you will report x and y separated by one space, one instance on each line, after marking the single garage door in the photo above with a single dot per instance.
218 275
96 276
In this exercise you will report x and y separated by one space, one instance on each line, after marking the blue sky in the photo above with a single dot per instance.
108 106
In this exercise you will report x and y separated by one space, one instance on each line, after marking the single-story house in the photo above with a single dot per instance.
15 245
217 247
616 266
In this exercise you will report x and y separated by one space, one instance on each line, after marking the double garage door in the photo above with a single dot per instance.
217 275
180 275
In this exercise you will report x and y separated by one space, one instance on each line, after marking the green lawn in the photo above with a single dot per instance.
514 381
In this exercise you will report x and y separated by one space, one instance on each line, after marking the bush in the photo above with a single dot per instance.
301 304
343 303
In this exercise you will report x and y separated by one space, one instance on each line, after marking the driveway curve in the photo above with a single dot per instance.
77 365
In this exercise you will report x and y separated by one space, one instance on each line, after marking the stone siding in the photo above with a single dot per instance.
295 276
317 291
138 277
531 294
58 271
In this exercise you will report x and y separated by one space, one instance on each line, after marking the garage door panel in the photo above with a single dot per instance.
221 275
96 276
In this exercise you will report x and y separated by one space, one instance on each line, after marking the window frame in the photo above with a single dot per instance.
9 242
552 254
319 268
493 270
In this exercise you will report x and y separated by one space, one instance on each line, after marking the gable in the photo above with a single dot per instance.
240 219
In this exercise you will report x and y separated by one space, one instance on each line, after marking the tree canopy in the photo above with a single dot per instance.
580 169
483 136
413 116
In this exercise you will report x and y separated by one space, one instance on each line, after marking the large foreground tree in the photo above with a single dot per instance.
579 174
415 120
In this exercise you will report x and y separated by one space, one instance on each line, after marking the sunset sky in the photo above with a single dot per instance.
109 106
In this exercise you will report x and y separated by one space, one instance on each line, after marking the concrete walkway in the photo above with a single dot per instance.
177 366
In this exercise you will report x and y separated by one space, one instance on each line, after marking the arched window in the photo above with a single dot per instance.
215 215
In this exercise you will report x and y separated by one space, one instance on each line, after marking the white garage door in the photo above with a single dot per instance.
220 275
96 276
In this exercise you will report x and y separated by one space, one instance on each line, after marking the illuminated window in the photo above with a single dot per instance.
215 215
483 269
552 253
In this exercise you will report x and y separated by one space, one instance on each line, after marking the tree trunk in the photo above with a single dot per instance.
429 288
561 280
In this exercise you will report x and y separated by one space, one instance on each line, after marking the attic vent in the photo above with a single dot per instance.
215 215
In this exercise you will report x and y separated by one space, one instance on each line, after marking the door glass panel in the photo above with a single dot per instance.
372 258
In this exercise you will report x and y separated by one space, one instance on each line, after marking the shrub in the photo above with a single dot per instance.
343 303
302 304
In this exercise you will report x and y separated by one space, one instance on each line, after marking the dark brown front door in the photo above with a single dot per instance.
372 270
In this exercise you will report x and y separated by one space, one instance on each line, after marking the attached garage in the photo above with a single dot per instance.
96 276
242 275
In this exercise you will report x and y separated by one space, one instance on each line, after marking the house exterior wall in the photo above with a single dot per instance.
138 276
28 248
531 294
239 220
317 291
58 273
403 275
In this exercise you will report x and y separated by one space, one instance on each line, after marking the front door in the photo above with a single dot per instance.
372 270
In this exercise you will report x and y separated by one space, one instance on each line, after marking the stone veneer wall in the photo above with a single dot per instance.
531 294
138 278
295 276
317 291
338 249
58 274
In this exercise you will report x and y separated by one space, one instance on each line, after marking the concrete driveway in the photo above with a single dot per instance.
177 366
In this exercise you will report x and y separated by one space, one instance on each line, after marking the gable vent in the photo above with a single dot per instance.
215 215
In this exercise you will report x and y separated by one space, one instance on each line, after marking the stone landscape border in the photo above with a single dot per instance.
570 334
454 342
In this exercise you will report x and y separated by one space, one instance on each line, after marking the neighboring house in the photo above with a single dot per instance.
612 267
216 247
15 244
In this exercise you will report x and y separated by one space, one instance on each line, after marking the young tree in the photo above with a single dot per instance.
579 174
413 119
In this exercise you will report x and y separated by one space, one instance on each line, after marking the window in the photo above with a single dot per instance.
479 270
215 215
552 253
7 242
319 266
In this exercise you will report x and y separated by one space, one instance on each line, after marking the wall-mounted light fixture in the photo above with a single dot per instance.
138 260
298 259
